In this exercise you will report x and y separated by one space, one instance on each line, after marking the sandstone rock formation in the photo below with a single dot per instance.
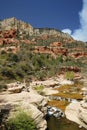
10 49
19 25
50 50
78 55
36 114
50 31
16 87
77 112
56 44
47 83
70 68
9 33
28 101
22 28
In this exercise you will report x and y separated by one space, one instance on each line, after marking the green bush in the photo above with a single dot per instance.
13 57
21 121
69 75
8 72
3 52
39 88
2 86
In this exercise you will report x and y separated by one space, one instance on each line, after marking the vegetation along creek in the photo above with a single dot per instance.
43 71
56 119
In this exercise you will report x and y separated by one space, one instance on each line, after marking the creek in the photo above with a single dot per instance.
61 124
61 101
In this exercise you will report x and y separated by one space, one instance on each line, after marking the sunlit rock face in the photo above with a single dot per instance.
77 112
83 111
13 23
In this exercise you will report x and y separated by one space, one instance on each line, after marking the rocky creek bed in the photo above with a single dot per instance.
32 101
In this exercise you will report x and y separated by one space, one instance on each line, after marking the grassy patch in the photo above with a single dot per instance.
59 104
39 88
69 95
76 87
69 75
21 121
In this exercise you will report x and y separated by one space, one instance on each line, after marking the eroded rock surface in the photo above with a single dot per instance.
77 112
29 102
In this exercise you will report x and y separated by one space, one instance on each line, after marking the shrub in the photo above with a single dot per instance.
2 86
41 75
69 75
39 88
13 57
8 72
3 52
21 121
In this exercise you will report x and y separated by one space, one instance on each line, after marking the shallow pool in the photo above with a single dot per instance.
61 124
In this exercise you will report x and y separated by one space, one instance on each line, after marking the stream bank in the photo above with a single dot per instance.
32 101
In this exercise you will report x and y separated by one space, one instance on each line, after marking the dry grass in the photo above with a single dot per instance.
69 95
59 104
70 88
64 88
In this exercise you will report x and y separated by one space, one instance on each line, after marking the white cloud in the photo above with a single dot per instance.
81 33
67 31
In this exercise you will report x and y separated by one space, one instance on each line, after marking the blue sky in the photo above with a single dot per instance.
59 14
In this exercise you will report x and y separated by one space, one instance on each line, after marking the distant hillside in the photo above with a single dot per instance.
22 27
38 53
50 31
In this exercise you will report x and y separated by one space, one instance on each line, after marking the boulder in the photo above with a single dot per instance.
78 55
56 44
15 89
9 33
77 112
70 68
36 114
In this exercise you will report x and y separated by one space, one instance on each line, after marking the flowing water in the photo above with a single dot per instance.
61 124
